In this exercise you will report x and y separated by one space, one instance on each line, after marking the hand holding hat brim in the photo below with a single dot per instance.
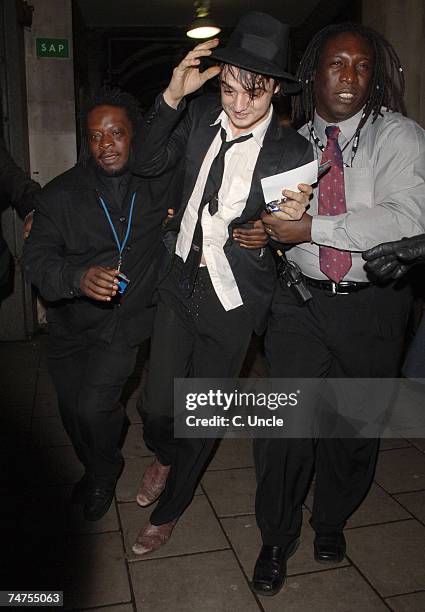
187 77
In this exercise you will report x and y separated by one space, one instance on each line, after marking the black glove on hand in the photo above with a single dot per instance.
393 259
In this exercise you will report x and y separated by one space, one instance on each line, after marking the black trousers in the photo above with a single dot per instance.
89 377
341 336
192 337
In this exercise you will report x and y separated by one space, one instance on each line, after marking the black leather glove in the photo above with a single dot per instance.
393 259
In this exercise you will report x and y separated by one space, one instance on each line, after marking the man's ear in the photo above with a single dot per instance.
277 88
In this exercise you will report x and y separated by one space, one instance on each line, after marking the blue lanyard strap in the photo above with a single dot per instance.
120 245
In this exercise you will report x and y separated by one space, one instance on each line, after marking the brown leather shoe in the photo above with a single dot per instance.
151 537
153 483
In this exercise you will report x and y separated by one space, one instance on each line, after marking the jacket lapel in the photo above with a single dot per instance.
201 138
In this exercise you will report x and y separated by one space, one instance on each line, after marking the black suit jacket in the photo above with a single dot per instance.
70 233
169 137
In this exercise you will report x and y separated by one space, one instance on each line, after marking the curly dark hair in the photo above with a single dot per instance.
387 81
107 96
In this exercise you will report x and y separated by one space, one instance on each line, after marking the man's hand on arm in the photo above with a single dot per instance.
290 232
99 283
186 76
254 237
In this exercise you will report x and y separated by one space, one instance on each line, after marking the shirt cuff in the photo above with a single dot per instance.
323 229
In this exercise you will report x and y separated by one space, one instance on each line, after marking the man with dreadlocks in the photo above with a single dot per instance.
352 105
92 223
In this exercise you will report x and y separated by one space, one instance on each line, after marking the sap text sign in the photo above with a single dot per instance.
52 47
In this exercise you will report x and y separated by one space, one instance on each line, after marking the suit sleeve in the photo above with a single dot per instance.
160 141
15 184
45 262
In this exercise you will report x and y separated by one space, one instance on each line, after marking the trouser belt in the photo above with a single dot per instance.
343 287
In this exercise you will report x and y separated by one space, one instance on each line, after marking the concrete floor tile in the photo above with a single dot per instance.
49 431
245 538
46 406
231 492
414 602
414 503
337 590
96 572
134 446
197 530
233 453
391 443
401 470
391 557
77 524
209 582
377 507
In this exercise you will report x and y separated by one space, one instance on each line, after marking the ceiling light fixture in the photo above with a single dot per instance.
203 26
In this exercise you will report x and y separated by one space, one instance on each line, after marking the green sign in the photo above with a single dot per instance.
52 47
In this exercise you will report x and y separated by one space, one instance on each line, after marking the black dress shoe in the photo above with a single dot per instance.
329 547
80 490
270 568
98 501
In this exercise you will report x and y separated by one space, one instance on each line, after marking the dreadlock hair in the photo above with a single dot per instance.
386 85
107 96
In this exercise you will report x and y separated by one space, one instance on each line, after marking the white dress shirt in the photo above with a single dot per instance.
384 191
239 164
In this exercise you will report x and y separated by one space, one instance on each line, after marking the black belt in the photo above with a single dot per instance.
343 287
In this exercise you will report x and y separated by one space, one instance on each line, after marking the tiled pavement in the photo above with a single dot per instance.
208 562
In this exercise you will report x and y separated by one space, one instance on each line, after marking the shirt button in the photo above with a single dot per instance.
122 219
128 248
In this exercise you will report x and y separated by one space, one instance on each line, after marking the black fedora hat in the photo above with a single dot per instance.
260 44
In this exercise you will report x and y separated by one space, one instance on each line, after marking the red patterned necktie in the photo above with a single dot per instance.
333 262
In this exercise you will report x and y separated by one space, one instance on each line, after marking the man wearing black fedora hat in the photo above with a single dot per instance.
218 286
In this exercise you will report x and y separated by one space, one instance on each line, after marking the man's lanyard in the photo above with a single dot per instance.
120 245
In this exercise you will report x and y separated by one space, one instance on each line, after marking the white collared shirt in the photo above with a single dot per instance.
239 164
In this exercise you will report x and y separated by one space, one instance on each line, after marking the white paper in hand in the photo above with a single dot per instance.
273 185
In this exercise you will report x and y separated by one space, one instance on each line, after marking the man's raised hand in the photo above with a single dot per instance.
186 76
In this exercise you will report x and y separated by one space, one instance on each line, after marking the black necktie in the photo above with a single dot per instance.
210 197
